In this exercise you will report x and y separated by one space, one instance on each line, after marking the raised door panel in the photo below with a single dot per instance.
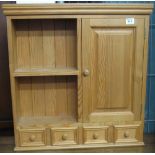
112 68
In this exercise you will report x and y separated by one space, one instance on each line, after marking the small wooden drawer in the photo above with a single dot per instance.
32 137
95 134
64 136
126 133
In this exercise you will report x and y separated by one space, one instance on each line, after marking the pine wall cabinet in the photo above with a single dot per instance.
78 74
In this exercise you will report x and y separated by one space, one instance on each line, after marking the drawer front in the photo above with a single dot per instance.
32 137
64 136
94 135
128 133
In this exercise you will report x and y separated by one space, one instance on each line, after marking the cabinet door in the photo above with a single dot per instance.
112 53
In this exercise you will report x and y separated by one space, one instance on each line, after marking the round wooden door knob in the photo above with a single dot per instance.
64 137
126 134
95 136
86 72
32 138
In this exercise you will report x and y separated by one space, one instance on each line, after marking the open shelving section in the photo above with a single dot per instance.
45 70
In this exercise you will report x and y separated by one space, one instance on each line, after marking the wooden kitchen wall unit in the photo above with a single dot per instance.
78 74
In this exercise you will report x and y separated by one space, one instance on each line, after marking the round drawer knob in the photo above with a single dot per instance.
32 138
95 136
126 134
64 137
86 72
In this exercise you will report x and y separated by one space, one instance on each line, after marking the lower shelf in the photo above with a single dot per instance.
45 121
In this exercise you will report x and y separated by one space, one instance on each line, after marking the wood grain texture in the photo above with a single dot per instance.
138 73
11 43
77 79
81 9
64 136
79 66
115 66
45 72
23 54
95 135
25 96
90 146
60 62
48 44
126 134
39 96
31 137
145 62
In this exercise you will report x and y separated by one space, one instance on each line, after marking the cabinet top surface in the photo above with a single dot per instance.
76 9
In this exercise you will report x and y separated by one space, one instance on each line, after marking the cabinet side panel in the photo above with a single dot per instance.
14 86
145 62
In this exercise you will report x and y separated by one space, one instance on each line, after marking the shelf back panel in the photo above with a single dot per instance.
45 43
47 96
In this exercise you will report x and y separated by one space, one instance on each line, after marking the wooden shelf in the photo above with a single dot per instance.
45 72
45 121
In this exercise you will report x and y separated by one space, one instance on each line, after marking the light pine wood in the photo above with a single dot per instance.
22 40
45 121
38 96
45 72
126 133
95 135
26 97
42 50
68 16
64 136
145 61
11 43
78 9
89 146
31 137
79 63
116 66
78 74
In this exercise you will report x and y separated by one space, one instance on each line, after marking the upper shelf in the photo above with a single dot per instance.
45 72
76 9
